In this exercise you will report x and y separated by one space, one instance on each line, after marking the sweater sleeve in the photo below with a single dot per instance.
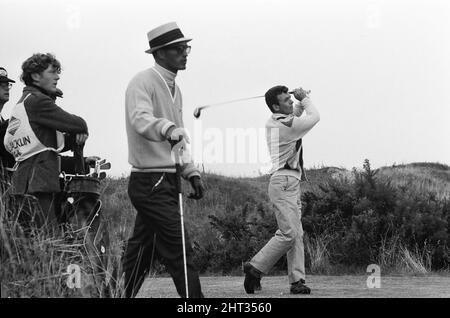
303 124
189 170
298 109
46 113
140 111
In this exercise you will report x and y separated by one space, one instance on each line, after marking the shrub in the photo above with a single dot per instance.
369 211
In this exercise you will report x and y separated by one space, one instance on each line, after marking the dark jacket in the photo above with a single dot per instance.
7 160
40 173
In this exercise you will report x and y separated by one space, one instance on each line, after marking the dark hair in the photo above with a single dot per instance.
271 95
38 63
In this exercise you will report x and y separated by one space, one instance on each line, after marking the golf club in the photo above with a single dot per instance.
176 148
198 110
105 166
100 176
98 163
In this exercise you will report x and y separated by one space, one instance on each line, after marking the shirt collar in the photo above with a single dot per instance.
33 88
278 116
168 76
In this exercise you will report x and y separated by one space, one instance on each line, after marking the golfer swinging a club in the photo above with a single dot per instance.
284 132
154 124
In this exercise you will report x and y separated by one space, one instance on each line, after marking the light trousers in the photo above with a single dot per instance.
284 193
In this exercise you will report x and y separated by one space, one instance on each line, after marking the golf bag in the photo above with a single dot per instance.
81 212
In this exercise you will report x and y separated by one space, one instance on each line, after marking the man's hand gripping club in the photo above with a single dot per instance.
178 138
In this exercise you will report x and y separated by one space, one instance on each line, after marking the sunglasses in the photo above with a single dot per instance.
6 85
179 48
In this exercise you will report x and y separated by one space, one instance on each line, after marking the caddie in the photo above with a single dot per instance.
35 135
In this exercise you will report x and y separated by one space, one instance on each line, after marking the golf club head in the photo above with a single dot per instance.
102 175
197 112
98 163
105 166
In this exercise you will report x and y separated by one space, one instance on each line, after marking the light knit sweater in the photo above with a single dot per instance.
283 133
151 110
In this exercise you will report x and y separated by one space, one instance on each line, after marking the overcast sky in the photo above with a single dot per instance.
379 71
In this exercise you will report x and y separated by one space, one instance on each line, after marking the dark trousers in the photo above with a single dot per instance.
157 234
47 203
36 210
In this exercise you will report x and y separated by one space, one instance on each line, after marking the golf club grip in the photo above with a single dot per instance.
307 92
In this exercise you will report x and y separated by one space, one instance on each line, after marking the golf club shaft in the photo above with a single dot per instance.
180 200
105 166
231 101
198 110
235 101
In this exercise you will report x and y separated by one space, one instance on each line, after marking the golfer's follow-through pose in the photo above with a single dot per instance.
284 132
153 118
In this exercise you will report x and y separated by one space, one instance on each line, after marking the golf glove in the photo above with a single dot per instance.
180 152
300 93
198 188
177 134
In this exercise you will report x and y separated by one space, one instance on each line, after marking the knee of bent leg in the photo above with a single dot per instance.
291 235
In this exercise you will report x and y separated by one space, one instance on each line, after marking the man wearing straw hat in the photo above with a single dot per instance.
154 117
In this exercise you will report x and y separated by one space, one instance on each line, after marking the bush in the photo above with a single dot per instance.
369 211
349 222
238 235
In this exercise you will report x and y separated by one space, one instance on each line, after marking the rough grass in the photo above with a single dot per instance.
40 262
394 257
422 177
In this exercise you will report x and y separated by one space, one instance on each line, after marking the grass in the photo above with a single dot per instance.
317 250
395 258
422 177
329 286
37 262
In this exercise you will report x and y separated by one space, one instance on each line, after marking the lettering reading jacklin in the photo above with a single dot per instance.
194 308
16 143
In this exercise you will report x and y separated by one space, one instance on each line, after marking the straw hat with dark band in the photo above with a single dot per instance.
165 35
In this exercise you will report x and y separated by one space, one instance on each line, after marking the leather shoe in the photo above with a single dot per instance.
300 288
252 278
